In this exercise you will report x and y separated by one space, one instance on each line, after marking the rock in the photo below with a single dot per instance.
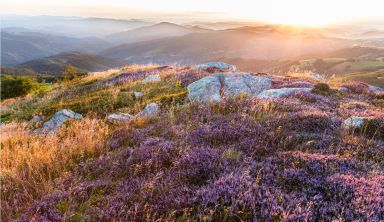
342 89
119 117
206 89
152 78
353 122
376 88
215 66
59 118
219 85
150 111
277 93
138 94
236 83
316 76
37 118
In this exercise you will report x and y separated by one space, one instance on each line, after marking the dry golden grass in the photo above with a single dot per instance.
93 76
31 163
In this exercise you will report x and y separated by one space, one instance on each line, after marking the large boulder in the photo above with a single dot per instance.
150 111
152 78
277 93
219 85
119 117
58 119
206 89
236 83
215 67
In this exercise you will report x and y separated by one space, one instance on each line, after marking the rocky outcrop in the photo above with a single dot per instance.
375 88
150 111
236 83
206 89
225 85
152 78
354 122
58 119
215 67
277 93
119 117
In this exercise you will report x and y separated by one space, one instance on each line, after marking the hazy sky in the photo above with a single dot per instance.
307 12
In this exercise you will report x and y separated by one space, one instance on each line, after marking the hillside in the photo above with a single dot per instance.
55 65
167 143
157 31
19 47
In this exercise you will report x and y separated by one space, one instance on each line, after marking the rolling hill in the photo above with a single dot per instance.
55 65
19 47
78 27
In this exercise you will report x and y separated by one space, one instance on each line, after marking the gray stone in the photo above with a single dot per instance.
152 78
376 88
353 122
138 94
119 117
277 93
215 65
37 118
316 76
342 89
150 111
206 89
213 88
59 118
236 83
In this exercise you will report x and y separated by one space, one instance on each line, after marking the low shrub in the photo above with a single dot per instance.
17 86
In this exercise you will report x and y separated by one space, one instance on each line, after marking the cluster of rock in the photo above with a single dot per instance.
150 111
229 83
224 84
219 85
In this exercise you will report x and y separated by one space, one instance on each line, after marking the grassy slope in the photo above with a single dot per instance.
153 169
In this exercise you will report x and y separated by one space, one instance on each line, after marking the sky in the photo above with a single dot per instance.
296 12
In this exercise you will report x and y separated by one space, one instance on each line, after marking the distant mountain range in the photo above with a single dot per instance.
157 31
46 45
78 27
243 42
19 46
55 65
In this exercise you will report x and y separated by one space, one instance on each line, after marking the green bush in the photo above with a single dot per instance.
17 86
322 89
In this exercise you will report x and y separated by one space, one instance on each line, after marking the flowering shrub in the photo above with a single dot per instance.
242 159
